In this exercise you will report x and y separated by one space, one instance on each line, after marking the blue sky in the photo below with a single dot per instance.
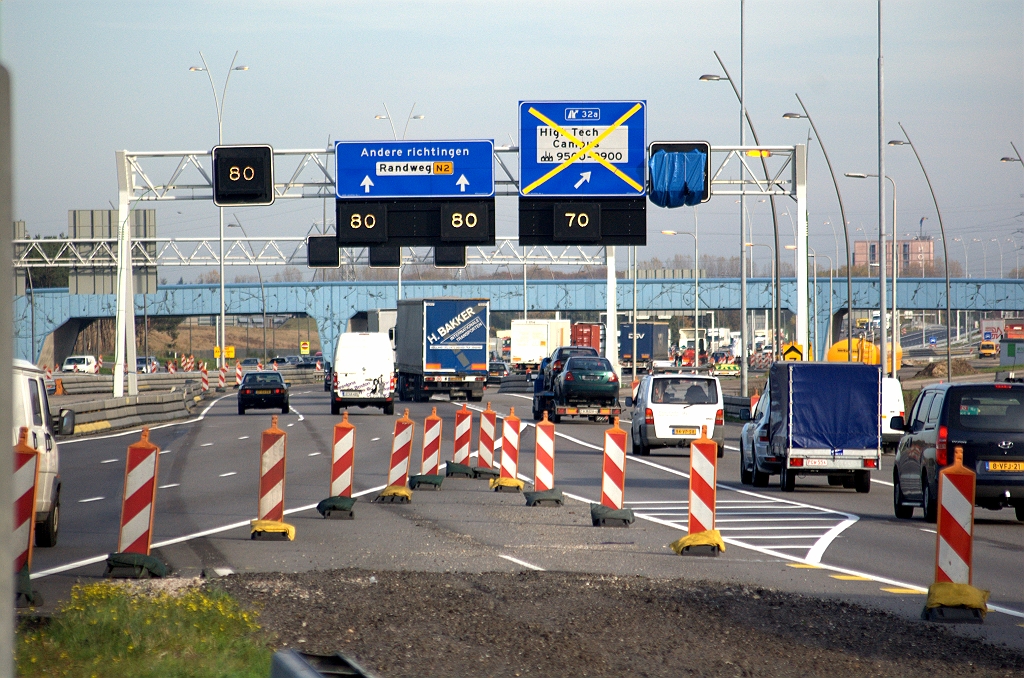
93 77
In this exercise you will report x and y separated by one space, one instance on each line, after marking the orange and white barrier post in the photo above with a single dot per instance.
269 523
172 367
952 597
544 457
485 447
222 377
273 366
339 503
463 435
702 539
205 379
613 481
99 363
238 374
26 480
431 444
398 470
138 506
508 480
319 366
49 373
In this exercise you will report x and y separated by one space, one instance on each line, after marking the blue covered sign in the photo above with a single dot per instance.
414 169
679 177
577 149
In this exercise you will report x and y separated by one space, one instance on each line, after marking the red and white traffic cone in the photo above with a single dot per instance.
398 471
238 374
952 597
259 365
508 480
75 369
26 480
319 366
99 364
459 465
273 366
269 523
339 503
545 492
172 367
613 481
222 377
137 509
431 459
205 379
49 373
485 446
702 538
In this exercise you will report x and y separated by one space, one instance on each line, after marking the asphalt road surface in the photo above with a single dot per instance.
819 540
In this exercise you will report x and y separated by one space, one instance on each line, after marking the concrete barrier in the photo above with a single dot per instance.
75 384
737 407
92 416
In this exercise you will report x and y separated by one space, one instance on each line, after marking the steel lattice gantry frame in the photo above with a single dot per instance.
189 177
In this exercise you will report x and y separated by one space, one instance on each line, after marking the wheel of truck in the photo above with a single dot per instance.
759 478
46 531
538 415
862 481
787 479
1018 510
335 407
555 418
389 408
746 477
901 510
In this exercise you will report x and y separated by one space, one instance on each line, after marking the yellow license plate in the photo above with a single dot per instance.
263 392
677 431
1005 465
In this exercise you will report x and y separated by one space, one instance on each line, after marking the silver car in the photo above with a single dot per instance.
754 447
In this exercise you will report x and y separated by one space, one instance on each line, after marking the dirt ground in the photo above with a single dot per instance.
561 624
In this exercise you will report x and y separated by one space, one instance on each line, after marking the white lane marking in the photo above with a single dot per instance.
373 440
521 562
290 425
132 431
925 529
170 485
229 473
206 444
108 461
188 537
86 501
313 454
165 451
243 437
223 571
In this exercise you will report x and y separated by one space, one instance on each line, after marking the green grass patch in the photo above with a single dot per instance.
117 630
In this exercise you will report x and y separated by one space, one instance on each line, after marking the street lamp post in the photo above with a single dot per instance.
263 294
831 270
218 102
774 330
945 247
696 285
846 230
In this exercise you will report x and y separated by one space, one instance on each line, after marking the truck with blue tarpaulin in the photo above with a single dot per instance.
441 347
823 419
652 343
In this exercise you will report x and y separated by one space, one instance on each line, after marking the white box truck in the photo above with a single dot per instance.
534 340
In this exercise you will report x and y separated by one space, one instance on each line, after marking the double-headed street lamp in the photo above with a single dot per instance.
218 102
696 291
945 247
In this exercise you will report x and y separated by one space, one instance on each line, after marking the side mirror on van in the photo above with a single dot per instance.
391 333
66 423
629 401
897 424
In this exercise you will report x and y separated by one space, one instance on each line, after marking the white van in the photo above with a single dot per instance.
892 406
363 372
80 363
31 409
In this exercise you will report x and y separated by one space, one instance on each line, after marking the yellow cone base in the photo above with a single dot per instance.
395 493
271 530
506 484
707 543
955 603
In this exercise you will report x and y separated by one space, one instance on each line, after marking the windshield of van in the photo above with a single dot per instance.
684 391
987 410
74 361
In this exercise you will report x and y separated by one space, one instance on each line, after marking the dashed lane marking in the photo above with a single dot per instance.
313 454
229 473
165 451
373 440
206 444
925 529
188 537
906 591
86 501
804 566
243 437
290 425
521 562
849 577
169 486
109 461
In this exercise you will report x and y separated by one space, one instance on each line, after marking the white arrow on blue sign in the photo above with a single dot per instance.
414 169
582 148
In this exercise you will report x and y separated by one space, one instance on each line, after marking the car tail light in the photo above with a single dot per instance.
1002 386
649 417
796 462
278 391
393 382
870 463
941 457
614 379
335 379
720 418
556 366
569 377
762 436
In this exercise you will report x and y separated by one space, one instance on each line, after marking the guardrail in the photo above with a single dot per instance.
737 406
79 384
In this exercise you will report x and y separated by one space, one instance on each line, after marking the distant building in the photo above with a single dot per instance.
84 225
915 255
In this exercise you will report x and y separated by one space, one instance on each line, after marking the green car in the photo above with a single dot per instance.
587 379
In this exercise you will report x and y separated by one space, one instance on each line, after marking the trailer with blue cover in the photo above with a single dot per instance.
823 419
652 343
441 347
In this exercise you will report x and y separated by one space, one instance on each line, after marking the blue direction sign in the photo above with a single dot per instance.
582 148
376 170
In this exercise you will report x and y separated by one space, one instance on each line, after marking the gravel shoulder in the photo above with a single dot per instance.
561 624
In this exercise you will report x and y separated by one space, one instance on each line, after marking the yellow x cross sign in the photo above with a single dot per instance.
585 150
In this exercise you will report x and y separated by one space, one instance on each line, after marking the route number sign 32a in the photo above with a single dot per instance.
243 175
